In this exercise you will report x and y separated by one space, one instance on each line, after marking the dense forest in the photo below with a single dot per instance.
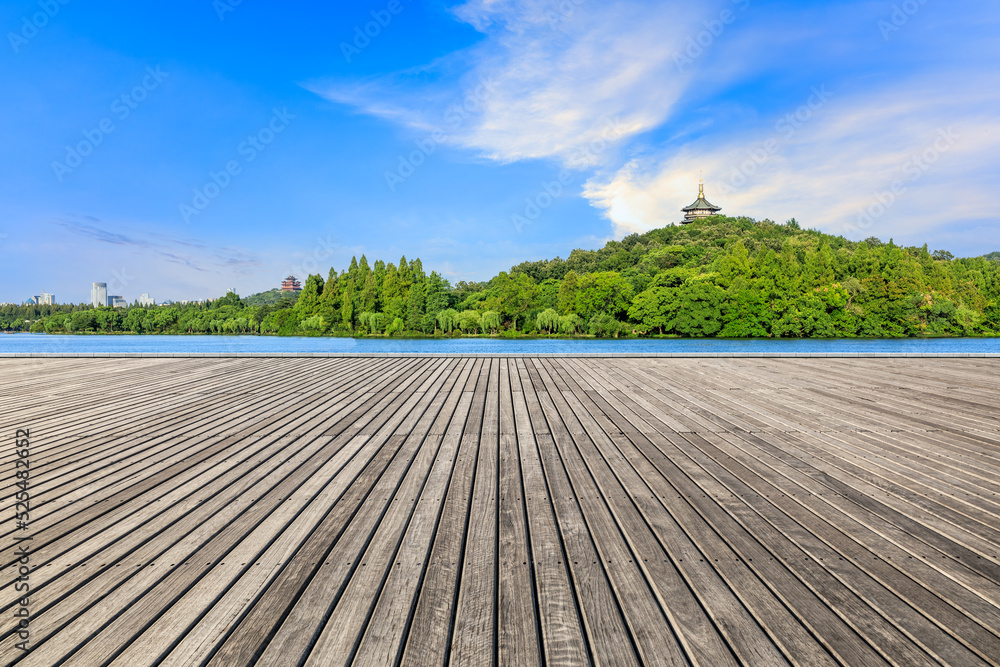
722 276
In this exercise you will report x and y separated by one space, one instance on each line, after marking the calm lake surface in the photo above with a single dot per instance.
23 343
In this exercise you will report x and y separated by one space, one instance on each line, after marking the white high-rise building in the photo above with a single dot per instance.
46 299
116 301
146 300
99 295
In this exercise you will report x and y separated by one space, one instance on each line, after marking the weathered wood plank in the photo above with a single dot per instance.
508 511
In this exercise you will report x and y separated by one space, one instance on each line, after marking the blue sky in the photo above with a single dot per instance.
184 148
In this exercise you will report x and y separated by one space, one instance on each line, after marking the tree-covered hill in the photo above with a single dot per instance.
271 297
722 276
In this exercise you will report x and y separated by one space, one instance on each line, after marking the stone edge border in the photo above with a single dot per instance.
612 355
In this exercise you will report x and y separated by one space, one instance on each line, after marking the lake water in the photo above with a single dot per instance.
35 343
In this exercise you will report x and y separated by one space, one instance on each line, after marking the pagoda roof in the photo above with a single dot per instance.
702 205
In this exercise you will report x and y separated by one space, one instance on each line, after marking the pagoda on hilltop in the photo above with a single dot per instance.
290 284
700 209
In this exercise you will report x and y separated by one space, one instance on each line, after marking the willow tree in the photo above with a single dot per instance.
547 320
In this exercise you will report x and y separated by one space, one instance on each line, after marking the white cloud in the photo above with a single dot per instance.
831 165
559 74
548 80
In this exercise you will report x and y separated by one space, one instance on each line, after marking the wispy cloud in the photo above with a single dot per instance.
190 253
693 97
837 170
546 80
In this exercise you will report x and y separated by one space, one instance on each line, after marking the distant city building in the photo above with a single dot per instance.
33 301
46 299
146 300
290 284
700 208
116 301
99 295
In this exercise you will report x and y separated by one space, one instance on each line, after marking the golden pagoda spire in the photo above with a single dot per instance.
701 189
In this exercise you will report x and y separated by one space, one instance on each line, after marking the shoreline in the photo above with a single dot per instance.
504 355
499 337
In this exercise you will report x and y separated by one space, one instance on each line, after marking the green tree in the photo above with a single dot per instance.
437 294
347 307
547 320
230 299
396 326
604 292
570 324
567 293
134 320
603 325
490 322
314 324
369 293
373 322
415 306
469 320
108 319
734 265
448 320
655 308
700 312
514 295
309 299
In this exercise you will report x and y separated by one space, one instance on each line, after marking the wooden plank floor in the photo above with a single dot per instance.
506 511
